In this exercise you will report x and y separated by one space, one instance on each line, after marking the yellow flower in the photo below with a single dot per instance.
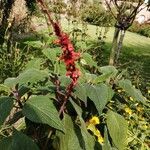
96 132
149 91
100 139
94 120
128 110
91 126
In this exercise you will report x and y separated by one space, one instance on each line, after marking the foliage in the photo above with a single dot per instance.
12 61
97 15
143 29
33 94
60 101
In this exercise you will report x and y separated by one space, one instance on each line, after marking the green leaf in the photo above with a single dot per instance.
6 104
35 44
51 53
106 145
109 69
100 95
102 78
6 143
77 109
65 81
4 88
22 142
89 141
60 68
81 45
23 90
133 92
41 109
90 77
31 75
34 63
107 72
89 60
10 82
18 141
71 139
80 92
118 128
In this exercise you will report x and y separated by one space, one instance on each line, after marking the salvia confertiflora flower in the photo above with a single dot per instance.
69 56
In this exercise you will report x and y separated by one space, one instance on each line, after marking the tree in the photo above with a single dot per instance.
124 13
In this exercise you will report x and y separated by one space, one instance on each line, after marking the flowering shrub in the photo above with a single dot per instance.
58 103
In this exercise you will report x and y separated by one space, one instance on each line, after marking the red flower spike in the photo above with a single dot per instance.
68 56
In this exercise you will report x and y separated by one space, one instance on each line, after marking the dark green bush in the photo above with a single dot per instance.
97 15
143 29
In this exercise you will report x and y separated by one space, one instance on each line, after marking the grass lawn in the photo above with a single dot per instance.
140 44
136 49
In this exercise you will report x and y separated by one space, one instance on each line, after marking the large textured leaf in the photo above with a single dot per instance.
23 90
90 77
34 63
100 95
106 145
31 75
51 53
42 110
71 139
4 88
89 141
60 68
6 143
88 59
107 72
80 92
108 69
10 82
117 127
65 81
18 141
6 104
133 92
22 142
35 44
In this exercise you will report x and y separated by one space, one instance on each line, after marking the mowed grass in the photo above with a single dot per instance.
136 49
140 45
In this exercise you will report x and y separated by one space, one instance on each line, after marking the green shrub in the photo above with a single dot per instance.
97 15
143 29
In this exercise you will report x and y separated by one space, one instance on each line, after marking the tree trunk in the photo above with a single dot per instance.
114 47
120 44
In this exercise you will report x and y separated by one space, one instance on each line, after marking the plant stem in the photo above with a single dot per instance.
48 137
